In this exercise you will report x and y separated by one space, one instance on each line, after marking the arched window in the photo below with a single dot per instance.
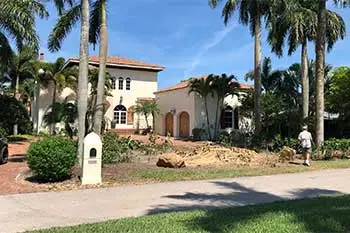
113 83
128 83
227 118
120 114
120 83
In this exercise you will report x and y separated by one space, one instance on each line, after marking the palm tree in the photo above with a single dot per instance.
97 31
99 21
203 87
298 21
250 13
65 112
223 86
17 21
269 78
54 73
21 67
146 108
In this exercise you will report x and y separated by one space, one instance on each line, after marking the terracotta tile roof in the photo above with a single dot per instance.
186 83
122 62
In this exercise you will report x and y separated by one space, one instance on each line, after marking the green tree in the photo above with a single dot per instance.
97 33
338 95
65 112
17 22
297 21
320 61
250 13
270 79
223 86
146 108
203 87
55 74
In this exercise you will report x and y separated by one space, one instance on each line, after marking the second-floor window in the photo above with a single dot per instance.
128 83
113 83
120 83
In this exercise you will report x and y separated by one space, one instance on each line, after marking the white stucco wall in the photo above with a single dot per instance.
143 85
179 100
194 104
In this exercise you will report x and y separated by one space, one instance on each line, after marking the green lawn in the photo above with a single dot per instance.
213 173
326 214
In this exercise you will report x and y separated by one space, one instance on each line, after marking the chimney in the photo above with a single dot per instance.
42 56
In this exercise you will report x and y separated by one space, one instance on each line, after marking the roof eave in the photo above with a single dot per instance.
158 69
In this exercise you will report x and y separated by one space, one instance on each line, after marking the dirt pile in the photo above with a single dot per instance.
217 155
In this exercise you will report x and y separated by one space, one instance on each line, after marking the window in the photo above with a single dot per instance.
120 83
128 83
120 115
227 118
113 84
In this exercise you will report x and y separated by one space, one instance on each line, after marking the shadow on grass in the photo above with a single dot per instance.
320 214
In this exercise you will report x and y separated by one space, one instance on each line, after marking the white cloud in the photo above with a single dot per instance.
217 38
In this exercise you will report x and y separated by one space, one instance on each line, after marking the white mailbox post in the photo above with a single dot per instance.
92 163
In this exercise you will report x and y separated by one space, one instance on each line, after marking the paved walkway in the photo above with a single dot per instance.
43 210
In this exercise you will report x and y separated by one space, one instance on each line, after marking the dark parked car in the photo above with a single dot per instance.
4 152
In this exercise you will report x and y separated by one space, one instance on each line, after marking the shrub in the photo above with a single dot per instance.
3 133
342 146
236 138
278 143
116 149
52 158
14 112
198 134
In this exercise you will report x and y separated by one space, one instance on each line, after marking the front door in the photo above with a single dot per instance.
184 125
169 124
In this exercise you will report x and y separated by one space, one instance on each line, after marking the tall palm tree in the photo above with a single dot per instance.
297 20
269 78
203 87
250 13
21 67
99 21
65 24
97 32
223 86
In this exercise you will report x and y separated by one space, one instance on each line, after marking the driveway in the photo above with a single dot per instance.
22 212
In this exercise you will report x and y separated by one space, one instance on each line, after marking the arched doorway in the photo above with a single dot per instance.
169 124
184 125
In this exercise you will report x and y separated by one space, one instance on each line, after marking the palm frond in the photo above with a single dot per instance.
63 27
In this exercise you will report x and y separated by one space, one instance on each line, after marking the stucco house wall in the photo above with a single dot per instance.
175 102
177 98
143 83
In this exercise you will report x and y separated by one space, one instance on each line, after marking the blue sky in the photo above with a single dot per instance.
186 36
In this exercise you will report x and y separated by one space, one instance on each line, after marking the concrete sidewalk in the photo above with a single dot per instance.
43 210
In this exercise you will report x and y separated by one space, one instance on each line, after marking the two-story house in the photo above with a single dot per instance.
133 81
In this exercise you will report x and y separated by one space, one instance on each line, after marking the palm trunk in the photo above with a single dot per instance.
257 75
83 77
15 126
153 121
207 114
305 79
216 117
320 59
53 125
146 119
102 72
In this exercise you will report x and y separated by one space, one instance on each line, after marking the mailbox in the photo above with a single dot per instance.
92 160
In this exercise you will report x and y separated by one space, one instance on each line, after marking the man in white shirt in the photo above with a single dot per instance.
305 140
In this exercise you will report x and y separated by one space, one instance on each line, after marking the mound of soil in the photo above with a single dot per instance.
216 155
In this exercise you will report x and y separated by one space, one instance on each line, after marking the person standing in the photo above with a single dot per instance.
305 140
